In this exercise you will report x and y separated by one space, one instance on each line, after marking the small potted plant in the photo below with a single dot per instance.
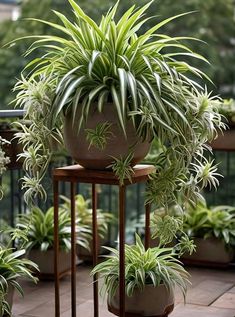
226 140
213 231
150 278
107 91
13 266
84 218
39 227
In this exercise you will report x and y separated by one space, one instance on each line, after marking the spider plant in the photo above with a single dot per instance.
204 222
143 76
39 227
12 267
154 266
84 215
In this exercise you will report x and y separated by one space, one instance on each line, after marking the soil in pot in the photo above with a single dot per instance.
117 144
45 262
210 251
151 302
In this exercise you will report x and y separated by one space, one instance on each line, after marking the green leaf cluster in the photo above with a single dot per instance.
12 267
204 222
39 227
84 215
153 266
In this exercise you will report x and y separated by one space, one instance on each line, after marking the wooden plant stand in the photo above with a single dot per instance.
77 174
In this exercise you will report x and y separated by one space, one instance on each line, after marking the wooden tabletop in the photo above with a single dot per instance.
79 174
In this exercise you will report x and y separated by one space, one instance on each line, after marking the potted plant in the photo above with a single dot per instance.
106 91
39 227
213 231
84 218
150 278
225 141
13 266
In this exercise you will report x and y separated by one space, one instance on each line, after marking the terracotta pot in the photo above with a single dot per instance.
117 145
45 262
225 141
153 301
210 251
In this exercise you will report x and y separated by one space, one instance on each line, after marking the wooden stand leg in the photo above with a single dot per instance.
56 248
147 225
73 250
122 291
95 250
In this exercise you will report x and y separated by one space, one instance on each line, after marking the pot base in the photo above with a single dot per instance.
168 310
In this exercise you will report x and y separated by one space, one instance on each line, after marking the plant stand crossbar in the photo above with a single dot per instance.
77 174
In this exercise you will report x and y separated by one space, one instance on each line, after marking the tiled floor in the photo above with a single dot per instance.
212 294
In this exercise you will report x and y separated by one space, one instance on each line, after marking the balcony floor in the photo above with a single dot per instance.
212 294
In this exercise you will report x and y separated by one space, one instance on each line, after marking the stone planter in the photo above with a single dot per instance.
45 262
153 301
117 144
211 251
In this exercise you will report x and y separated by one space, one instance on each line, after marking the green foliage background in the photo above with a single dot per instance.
213 22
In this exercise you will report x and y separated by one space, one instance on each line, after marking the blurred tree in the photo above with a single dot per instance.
213 22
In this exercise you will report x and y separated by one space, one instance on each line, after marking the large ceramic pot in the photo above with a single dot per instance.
211 251
45 262
152 301
117 144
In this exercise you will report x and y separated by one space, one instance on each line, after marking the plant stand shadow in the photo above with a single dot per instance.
76 174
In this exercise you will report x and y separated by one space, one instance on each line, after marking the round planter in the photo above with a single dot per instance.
45 262
117 144
209 251
152 301
225 140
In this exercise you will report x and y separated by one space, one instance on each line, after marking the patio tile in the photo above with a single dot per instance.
207 292
86 309
227 300
232 290
182 310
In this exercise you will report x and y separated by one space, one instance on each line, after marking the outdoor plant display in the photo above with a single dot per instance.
150 278
13 265
84 218
39 228
111 90
213 231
